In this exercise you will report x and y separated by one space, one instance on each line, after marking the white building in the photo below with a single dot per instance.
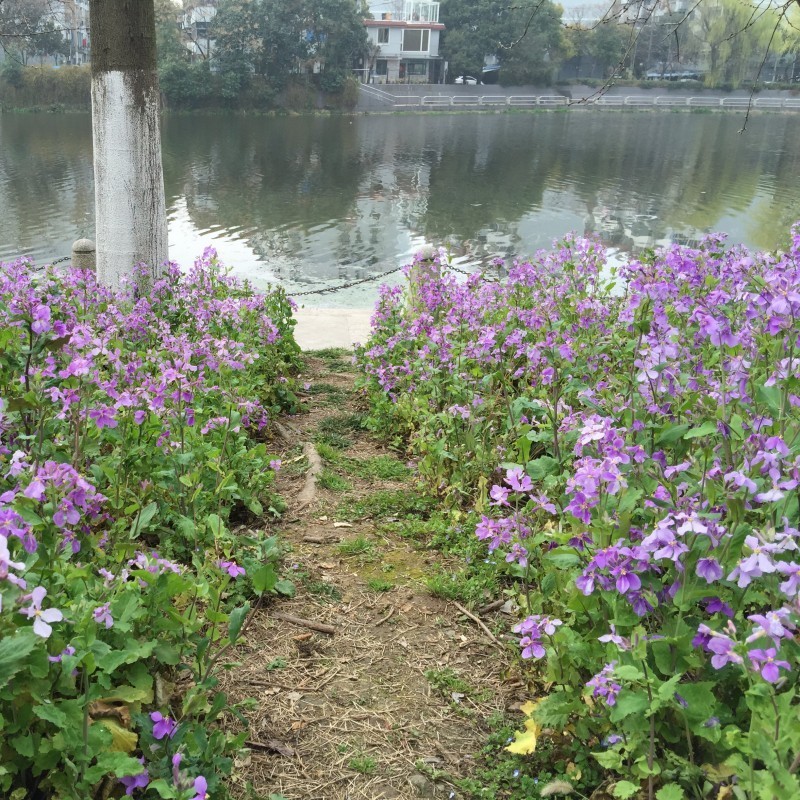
196 25
404 35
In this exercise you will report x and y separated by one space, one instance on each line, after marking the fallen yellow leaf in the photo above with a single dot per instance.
528 707
122 740
525 741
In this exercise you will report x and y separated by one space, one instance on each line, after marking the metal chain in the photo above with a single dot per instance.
470 274
329 289
348 285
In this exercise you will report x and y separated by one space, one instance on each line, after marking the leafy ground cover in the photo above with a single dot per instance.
131 446
630 445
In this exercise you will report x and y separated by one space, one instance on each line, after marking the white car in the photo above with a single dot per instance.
466 80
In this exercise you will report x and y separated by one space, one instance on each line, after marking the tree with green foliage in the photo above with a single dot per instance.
528 40
278 38
184 84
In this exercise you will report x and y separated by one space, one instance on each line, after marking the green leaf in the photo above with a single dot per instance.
142 519
608 759
14 650
627 672
49 713
562 560
285 587
670 791
131 654
541 467
706 429
671 434
625 789
113 763
264 578
23 745
629 703
771 395
237 618
629 500
164 789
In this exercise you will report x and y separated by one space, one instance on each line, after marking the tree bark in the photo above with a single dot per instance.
130 211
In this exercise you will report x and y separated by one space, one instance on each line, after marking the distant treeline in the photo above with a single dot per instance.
183 86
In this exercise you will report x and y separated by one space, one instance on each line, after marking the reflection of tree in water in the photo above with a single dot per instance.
345 197
45 177
266 173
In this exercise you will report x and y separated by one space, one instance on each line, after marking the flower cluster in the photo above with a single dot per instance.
646 426
130 427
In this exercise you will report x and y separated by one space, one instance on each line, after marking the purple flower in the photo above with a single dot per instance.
41 319
603 686
232 568
774 624
626 581
709 569
275 464
41 617
200 787
722 648
176 764
163 726
133 782
620 641
499 495
791 585
714 605
767 663
103 417
35 490
102 614
518 480
69 650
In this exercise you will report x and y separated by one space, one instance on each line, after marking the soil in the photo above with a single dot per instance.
394 703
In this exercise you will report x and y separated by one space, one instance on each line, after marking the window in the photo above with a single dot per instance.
415 41
383 36
417 67
381 66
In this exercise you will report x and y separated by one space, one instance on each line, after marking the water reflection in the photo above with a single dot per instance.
315 200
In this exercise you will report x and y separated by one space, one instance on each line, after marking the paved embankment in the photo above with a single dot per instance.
431 97
319 328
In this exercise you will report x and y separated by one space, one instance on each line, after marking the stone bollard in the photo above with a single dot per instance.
83 254
423 269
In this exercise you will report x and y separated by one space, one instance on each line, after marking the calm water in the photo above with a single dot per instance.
316 201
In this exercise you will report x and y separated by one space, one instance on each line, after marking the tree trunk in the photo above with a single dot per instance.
130 212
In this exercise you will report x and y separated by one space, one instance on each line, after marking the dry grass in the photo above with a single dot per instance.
352 716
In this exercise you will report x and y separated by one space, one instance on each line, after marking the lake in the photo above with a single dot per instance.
317 201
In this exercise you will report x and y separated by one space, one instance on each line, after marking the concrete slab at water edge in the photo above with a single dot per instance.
318 328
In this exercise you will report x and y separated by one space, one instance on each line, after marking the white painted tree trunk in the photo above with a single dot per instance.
130 212
131 219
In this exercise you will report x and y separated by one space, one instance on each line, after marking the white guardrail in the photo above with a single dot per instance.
557 100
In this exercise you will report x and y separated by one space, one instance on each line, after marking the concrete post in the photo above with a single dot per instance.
83 254
423 269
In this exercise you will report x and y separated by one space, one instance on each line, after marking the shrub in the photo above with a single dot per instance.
633 446
129 434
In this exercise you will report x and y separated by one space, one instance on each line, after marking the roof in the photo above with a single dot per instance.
399 23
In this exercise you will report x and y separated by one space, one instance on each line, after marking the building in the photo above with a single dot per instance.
196 28
72 18
404 42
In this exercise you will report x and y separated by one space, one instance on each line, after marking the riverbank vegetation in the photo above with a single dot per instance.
271 54
627 449
132 458
604 535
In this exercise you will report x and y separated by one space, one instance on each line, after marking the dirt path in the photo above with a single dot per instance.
394 703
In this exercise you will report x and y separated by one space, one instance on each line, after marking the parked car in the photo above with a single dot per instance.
467 80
